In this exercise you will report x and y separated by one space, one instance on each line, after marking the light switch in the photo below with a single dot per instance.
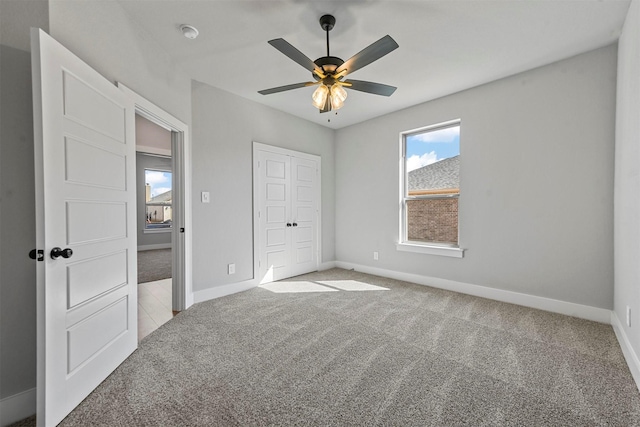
205 197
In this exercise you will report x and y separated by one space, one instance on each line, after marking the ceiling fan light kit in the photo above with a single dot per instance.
330 71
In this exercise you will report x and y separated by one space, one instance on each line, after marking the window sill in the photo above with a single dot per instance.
157 230
430 249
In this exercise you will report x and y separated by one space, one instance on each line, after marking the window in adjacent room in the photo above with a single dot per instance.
157 199
430 185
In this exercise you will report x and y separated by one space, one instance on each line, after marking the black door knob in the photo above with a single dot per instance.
288 224
295 224
64 253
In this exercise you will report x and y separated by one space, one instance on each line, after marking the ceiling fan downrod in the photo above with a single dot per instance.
327 22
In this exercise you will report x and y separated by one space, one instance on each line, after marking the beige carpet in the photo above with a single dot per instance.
354 349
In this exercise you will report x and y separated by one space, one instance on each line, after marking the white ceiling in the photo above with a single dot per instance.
445 46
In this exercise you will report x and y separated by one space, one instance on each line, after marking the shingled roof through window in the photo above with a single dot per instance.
164 197
444 174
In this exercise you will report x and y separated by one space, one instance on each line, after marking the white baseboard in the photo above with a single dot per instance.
152 247
327 265
629 354
17 407
222 291
556 306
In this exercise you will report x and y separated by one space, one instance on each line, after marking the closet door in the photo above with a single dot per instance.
303 215
286 198
275 216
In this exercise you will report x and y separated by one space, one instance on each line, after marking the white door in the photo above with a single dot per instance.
275 215
287 198
85 202
303 214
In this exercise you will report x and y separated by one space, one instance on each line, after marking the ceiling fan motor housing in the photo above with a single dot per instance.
328 63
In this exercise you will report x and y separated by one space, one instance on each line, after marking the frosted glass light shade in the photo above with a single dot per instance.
338 95
320 96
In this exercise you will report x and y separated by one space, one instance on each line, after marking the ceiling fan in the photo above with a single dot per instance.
330 71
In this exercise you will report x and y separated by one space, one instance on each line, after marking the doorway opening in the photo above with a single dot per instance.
157 215
154 206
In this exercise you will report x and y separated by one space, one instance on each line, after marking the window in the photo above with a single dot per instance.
430 187
158 208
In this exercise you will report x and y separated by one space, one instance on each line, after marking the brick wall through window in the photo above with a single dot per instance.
433 220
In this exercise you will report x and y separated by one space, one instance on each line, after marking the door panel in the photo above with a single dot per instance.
276 192
304 193
276 214
81 158
85 201
105 116
92 277
276 168
95 220
276 237
84 342
305 172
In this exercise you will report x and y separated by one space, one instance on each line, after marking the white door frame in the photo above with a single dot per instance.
257 146
182 294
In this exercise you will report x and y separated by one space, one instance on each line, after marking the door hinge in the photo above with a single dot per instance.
37 254
182 229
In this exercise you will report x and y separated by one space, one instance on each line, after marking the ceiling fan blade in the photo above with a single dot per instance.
287 48
370 87
371 53
283 88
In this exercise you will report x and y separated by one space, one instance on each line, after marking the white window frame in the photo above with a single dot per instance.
163 229
403 244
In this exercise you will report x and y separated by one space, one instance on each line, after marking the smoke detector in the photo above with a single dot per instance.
189 31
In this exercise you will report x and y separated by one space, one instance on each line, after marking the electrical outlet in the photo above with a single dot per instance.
231 268
375 256
628 316
204 196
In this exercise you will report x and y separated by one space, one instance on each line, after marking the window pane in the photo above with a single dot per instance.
158 212
432 169
433 220
158 217
433 162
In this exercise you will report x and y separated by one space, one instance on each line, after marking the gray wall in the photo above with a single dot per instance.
627 179
536 179
129 56
17 197
145 161
224 127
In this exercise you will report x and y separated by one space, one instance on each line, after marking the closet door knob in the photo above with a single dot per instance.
295 224
288 224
